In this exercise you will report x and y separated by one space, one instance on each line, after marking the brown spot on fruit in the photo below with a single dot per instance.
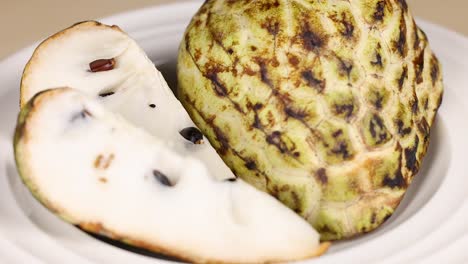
348 29
293 60
103 180
251 165
378 60
275 139
397 182
102 162
222 139
342 150
418 64
321 175
264 74
379 10
345 110
219 88
337 133
402 130
374 131
373 218
313 81
410 156
295 113
296 202
271 26
403 77
345 67
102 65
435 69
377 129
401 44
257 123
403 5
312 40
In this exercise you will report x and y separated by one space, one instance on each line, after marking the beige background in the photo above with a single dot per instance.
23 22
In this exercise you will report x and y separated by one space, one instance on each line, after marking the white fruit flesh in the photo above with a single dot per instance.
63 60
92 166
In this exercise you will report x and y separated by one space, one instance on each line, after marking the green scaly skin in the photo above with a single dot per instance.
327 105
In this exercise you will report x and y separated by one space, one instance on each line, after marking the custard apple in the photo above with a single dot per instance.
118 156
326 105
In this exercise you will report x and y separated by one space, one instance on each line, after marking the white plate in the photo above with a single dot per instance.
431 225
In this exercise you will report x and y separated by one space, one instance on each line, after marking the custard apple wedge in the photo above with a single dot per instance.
329 101
96 170
105 63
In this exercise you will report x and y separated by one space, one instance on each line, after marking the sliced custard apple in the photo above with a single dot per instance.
104 62
326 105
96 170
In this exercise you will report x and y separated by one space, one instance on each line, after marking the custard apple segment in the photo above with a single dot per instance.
133 88
113 178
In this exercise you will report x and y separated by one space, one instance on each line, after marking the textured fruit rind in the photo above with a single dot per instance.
327 105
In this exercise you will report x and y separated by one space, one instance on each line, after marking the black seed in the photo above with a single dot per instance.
105 94
162 178
231 180
102 65
81 115
152 105
192 134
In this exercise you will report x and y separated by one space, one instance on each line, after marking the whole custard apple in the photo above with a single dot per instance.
325 104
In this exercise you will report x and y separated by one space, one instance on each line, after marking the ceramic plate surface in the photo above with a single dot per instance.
430 226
